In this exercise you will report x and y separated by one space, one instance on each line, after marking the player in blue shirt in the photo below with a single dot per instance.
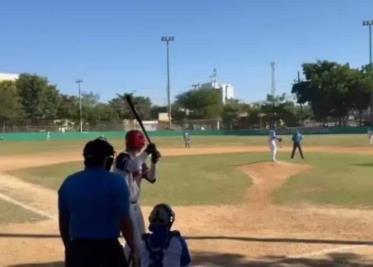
297 141
93 209
163 247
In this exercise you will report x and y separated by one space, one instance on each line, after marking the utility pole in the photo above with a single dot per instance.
214 76
168 39
369 23
273 90
79 81
273 87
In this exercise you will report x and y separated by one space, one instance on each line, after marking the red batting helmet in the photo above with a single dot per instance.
135 139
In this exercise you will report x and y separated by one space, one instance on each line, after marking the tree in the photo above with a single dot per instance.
10 105
155 110
326 88
68 108
120 106
231 112
38 98
201 103
360 90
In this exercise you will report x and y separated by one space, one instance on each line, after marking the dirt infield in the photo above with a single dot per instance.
254 233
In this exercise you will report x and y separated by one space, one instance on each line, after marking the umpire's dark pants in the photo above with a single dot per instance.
95 253
295 146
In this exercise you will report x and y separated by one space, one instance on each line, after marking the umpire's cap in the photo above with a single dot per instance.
97 150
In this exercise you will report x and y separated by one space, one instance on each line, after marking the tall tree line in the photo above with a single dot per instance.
33 99
333 90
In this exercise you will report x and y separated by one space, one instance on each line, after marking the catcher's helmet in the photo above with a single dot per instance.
162 214
135 139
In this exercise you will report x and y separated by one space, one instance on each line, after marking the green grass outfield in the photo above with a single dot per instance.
29 148
337 179
186 180
11 213
344 180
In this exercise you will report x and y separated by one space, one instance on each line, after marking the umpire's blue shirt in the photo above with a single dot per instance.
96 201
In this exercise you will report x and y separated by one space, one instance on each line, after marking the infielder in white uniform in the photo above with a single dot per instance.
131 164
273 140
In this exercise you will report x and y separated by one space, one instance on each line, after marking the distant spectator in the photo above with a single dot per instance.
297 143
93 208
163 247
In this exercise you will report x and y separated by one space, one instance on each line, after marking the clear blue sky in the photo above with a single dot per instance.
114 46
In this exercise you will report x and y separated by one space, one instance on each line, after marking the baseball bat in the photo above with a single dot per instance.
137 117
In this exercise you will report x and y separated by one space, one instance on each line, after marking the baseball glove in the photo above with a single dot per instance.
279 139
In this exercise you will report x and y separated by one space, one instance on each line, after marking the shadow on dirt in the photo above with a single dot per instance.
235 260
46 264
283 240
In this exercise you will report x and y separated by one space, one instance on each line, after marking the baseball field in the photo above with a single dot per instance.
235 207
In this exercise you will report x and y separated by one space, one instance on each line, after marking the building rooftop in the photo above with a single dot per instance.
8 77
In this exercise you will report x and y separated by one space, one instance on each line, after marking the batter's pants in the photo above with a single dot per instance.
95 253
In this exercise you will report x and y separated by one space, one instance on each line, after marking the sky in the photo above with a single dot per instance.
115 46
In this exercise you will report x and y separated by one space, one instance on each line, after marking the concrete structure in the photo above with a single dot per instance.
8 77
226 89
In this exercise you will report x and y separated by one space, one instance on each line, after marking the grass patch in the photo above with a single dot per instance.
187 180
11 213
32 147
337 179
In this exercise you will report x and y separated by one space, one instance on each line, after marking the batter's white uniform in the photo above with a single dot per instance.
131 168
272 142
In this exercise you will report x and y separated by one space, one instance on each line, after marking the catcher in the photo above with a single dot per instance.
163 247
131 164
273 142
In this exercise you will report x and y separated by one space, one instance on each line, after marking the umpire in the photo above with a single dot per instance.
93 208
297 140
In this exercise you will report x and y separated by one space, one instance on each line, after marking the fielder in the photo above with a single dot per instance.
131 164
273 140
370 135
187 139
163 247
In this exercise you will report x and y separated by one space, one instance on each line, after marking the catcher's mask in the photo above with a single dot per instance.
135 140
98 152
162 214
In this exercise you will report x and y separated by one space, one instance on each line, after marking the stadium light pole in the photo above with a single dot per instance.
167 40
369 23
79 81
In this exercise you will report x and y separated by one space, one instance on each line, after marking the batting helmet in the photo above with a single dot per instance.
162 214
135 139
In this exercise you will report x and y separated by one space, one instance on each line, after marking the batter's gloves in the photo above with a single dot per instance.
151 148
155 157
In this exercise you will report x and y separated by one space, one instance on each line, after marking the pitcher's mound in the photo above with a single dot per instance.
267 176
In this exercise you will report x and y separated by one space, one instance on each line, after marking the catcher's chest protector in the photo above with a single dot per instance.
157 254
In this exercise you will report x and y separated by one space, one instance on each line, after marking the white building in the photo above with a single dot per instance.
226 89
8 77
